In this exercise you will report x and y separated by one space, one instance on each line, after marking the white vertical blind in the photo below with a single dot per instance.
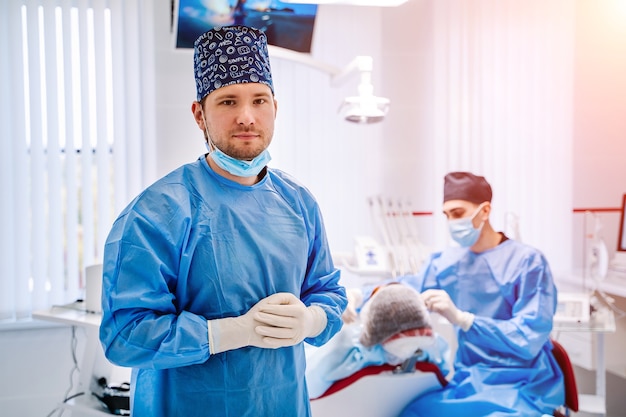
503 94
14 164
71 122
63 172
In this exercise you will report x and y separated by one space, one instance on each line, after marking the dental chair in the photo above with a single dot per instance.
376 391
571 390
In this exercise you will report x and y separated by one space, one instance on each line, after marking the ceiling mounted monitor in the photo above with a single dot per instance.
286 25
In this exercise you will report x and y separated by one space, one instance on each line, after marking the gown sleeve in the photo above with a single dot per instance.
140 325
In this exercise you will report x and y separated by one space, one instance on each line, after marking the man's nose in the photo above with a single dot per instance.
246 115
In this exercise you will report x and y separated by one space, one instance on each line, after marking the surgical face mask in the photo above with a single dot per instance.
239 167
463 231
402 348
236 166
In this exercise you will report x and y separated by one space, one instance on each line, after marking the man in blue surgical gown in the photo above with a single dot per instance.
500 296
216 273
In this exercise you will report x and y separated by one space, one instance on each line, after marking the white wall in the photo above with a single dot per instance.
599 116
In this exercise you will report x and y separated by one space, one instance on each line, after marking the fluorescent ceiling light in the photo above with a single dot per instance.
379 3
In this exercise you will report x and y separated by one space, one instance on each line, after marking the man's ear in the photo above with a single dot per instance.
196 110
487 209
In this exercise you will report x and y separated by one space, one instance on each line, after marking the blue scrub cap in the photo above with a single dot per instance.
231 55
466 186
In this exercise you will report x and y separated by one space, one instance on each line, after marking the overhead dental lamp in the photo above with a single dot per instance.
364 108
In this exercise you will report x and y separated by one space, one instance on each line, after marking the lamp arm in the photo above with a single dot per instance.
305 59
361 63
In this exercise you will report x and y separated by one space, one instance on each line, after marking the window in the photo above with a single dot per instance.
65 124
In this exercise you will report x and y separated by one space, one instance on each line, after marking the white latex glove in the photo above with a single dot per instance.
439 301
287 321
355 298
237 332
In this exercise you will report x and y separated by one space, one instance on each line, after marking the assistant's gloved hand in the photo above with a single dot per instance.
236 332
439 301
355 299
287 321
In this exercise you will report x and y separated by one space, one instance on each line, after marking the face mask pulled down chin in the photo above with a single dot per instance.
463 231
239 167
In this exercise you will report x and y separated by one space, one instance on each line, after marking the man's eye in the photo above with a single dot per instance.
259 101
228 102
456 215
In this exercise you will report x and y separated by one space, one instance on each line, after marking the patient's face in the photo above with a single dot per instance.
399 350
403 345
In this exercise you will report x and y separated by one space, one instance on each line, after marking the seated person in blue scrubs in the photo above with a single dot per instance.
500 296
217 273
394 329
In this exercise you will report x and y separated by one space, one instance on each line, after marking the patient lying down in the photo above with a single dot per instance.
393 327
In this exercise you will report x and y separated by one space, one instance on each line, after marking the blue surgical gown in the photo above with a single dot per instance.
504 365
195 246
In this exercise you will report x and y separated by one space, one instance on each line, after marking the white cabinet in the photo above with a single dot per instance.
585 346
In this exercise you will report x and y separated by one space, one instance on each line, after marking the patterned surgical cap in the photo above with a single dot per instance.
231 55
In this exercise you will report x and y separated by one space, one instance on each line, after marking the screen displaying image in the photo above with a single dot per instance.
286 25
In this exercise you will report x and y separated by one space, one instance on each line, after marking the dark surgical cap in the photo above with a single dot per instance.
231 55
466 186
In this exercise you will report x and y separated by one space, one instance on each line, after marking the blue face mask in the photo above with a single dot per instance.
237 166
463 231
